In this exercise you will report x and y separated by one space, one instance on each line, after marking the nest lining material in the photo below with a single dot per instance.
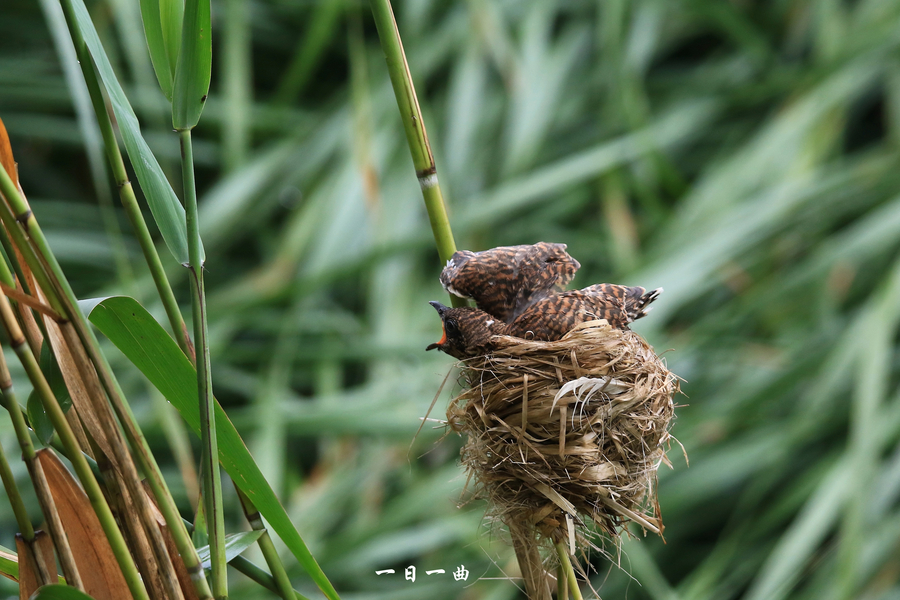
562 430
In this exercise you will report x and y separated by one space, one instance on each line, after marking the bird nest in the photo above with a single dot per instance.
567 432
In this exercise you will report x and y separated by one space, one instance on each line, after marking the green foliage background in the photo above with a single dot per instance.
742 155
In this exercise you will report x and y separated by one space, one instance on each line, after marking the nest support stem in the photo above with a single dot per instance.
530 563
566 572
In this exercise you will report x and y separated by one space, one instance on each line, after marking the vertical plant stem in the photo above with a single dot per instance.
416 136
242 565
212 481
562 587
82 469
14 497
11 404
565 564
270 554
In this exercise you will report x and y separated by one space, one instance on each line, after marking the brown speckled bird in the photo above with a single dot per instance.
553 317
505 281
468 331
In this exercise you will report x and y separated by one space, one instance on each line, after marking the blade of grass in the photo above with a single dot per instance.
235 544
166 209
151 16
134 331
270 554
193 71
133 211
237 85
88 126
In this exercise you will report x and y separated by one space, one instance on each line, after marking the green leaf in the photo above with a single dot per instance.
235 544
200 535
9 563
194 66
167 210
59 592
147 345
171 15
37 417
151 15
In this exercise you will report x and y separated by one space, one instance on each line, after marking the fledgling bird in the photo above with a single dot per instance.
505 281
553 317
468 331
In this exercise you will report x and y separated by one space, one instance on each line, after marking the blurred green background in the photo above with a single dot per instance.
743 155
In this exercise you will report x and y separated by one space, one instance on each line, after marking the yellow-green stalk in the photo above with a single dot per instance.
416 136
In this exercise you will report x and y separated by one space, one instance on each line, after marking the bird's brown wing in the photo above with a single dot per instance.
506 280
551 318
544 270
635 300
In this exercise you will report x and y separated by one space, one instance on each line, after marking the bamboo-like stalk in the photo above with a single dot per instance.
82 469
39 481
270 554
562 588
212 480
26 530
567 570
65 299
416 136
12 491
52 282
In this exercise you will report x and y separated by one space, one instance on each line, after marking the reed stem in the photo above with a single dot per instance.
66 435
212 480
566 568
270 554
416 136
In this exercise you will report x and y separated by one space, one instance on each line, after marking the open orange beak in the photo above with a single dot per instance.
440 308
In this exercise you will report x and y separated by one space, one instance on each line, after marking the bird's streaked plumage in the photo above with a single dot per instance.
506 281
468 331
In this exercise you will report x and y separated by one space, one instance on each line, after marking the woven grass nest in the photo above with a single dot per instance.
567 432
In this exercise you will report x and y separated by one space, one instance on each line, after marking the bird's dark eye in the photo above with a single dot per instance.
451 326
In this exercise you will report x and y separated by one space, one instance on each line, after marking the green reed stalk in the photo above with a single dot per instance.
67 305
416 136
9 402
58 418
566 568
212 479
270 554
253 572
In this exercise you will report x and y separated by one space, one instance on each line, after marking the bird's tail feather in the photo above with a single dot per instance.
640 306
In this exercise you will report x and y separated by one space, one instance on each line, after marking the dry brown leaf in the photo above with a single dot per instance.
184 578
29 579
94 556
78 391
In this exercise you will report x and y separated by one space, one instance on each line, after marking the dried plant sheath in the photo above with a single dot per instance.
599 404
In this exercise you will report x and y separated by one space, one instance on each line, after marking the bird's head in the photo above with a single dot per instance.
467 331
